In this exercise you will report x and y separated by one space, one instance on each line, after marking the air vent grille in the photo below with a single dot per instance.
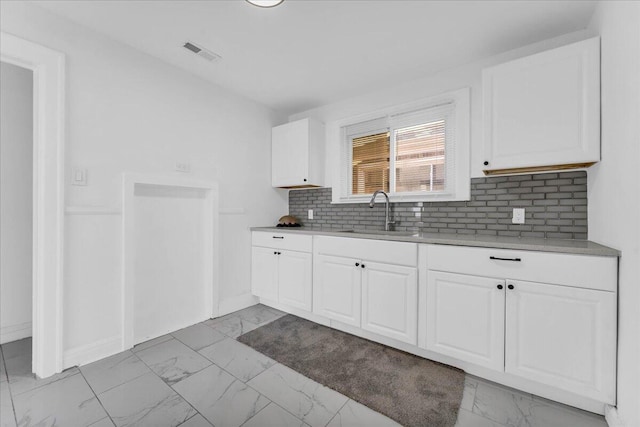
202 52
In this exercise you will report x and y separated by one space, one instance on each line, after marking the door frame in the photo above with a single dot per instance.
129 182
48 68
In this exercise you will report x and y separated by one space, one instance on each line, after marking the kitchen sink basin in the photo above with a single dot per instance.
381 232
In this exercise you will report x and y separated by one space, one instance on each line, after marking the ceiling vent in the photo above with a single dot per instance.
202 52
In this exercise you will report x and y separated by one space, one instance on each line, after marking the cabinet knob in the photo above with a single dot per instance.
486 163
510 286
305 180
275 253
357 264
362 266
500 286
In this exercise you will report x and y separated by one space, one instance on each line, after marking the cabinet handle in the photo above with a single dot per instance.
486 163
278 237
357 264
505 259
500 286
510 286
362 266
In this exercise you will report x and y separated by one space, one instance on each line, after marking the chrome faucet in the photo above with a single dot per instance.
387 221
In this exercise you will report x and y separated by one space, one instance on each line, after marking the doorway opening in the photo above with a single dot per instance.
16 218
47 201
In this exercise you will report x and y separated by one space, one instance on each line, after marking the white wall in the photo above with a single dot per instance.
127 111
614 184
16 170
469 75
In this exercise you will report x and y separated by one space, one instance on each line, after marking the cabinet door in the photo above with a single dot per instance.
336 288
390 301
543 109
465 317
294 279
290 154
562 336
264 272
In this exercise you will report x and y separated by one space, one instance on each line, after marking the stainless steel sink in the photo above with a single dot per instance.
381 232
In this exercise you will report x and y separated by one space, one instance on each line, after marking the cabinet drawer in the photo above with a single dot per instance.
583 271
398 253
292 242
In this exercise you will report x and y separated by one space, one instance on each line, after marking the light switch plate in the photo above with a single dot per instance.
518 216
79 177
310 214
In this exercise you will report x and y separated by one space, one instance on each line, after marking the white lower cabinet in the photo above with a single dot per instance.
562 336
364 292
264 272
390 301
294 279
336 288
465 318
281 270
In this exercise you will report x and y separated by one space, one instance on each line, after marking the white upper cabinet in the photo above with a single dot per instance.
297 154
542 112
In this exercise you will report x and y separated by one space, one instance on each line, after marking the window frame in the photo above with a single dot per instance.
458 186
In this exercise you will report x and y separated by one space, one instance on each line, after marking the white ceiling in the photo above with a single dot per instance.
303 54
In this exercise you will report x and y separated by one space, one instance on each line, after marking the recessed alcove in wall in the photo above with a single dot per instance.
170 255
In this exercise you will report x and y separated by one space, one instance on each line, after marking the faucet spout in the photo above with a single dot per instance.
387 221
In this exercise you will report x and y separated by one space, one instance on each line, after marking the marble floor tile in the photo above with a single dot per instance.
241 361
274 416
306 399
547 413
260 314
146 401
354 414
233 326
3 372
66 402
198 336
469 393
17 348
502 405
22 379
173 361
7 417
220 398
469 419
196 421
105 422
145 345
112 371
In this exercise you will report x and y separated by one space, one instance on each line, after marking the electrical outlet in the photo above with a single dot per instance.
310 214
518 216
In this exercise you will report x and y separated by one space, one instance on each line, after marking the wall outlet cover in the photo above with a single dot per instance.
518 216
310 214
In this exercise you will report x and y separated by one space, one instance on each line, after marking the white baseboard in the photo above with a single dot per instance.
15 332
229 305
92 352
612 417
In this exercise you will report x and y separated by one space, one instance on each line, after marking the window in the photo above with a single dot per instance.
415 153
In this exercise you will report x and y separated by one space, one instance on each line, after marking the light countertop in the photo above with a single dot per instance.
582 247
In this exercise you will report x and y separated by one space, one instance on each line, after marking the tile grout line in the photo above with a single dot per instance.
6 374
173 390
338 411
97 398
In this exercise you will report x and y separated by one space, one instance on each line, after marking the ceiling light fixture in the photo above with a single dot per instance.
265 3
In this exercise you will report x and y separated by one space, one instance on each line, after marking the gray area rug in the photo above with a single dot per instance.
409 389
